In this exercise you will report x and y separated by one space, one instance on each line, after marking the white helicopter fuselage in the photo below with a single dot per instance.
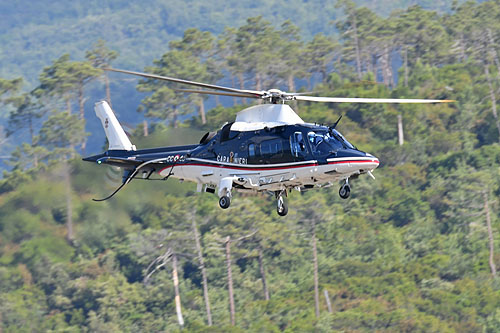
275 177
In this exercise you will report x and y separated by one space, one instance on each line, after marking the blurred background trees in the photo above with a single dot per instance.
414 250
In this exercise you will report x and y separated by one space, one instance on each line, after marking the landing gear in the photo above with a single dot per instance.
225 186
282 208
224 202
345 190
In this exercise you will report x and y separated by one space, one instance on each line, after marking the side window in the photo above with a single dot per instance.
278 147
297 144
271 147
251 150
265 148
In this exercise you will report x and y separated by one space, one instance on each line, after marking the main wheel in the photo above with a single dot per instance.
345 191
224 202
282 208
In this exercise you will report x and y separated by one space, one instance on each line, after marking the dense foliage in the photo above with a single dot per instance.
413 250
34 33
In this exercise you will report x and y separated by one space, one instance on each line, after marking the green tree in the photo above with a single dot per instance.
9 89
319 53
255 46
26 111
101 57
60 133
201 45
167 102
66 79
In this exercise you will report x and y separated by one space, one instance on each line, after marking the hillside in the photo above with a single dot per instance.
415 250
34 33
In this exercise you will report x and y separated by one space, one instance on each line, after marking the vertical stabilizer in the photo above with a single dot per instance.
117 138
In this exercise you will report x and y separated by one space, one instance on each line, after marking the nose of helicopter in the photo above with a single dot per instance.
371 162
352 161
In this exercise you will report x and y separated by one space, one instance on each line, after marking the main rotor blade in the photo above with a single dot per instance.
193 83
210 92
370 100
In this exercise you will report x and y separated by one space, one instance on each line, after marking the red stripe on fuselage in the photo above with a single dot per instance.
265 168
355 161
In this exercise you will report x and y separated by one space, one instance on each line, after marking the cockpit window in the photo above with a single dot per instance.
322 143
341 138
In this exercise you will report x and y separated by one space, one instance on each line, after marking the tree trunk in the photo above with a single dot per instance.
405 62
35 156
81 102
263 275
174 118
356 45
493 99
230 280
291 83
389 67
383 64
328 302
258 85
235 100
493 52
68 104
315 266
462 47
338 66
69 203
203 270
176 288
401 139
30 123
242 85
386 67
202 111
490 235
291 88
108 92
373 67
145 129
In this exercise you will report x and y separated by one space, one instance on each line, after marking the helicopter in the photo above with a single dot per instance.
268 148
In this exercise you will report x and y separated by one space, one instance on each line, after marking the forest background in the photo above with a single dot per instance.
413 250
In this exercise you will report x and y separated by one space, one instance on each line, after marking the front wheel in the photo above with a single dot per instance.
282 208
345 191
224 202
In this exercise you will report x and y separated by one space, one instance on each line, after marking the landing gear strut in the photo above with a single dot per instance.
282 208
345 190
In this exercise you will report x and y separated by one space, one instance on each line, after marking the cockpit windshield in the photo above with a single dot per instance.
341 138
326 142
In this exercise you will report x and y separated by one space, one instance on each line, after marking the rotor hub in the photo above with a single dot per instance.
276 96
